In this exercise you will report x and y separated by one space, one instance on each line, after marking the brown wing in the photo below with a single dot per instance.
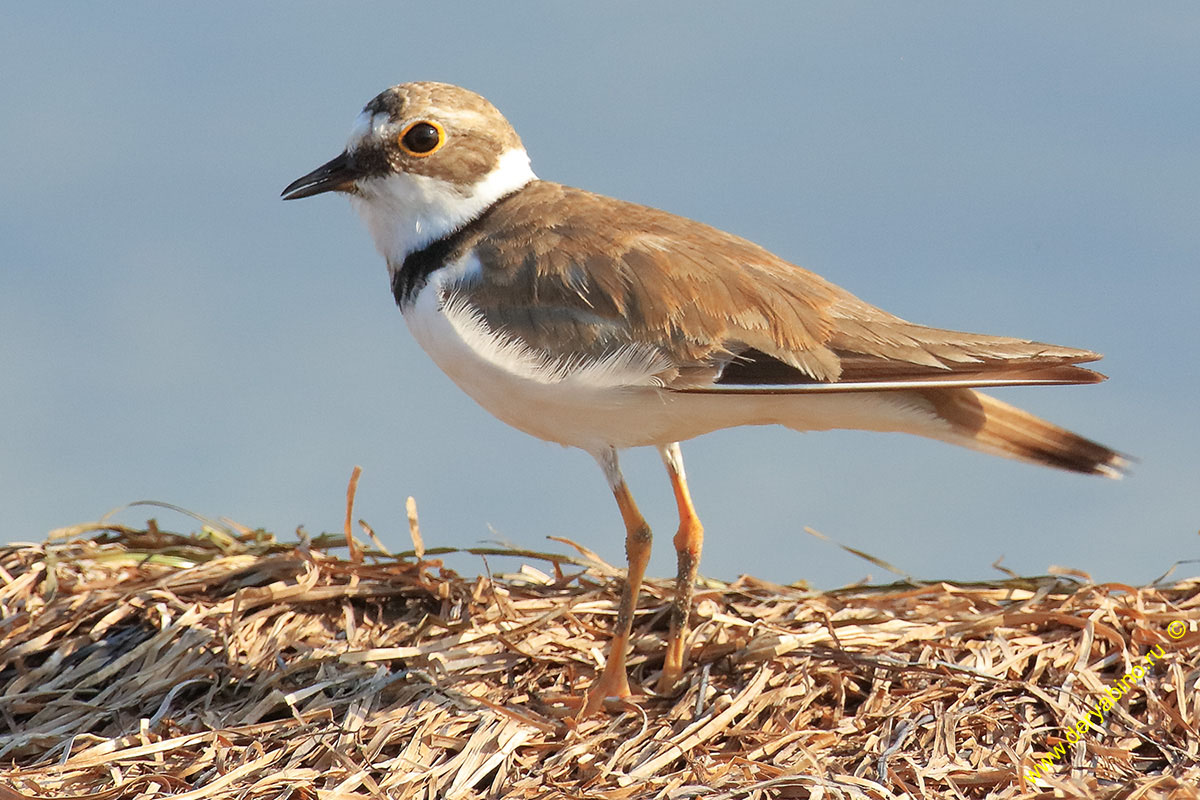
577 276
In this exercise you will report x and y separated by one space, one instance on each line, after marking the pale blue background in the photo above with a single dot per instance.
170 330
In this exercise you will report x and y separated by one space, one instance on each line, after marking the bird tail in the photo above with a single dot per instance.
985 423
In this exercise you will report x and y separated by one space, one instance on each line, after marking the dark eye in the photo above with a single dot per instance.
422 138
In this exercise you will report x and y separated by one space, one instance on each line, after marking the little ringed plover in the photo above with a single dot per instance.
601 324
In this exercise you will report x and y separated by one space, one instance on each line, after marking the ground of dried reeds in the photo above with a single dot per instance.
226 664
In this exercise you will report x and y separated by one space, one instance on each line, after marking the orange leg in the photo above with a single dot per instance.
614 682
688 541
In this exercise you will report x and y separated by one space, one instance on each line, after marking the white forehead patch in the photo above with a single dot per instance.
367 127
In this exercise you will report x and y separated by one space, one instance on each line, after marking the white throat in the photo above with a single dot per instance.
405 212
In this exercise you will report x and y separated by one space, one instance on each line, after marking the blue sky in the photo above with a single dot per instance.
170 330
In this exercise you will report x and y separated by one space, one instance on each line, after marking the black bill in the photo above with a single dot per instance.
337 175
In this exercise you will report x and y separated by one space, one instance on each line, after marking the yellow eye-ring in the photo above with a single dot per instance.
422 139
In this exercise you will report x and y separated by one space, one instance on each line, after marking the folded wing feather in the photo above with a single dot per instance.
724 314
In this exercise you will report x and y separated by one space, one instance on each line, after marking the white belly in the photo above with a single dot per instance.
615 404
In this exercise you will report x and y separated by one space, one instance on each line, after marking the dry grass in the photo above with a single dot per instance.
141 663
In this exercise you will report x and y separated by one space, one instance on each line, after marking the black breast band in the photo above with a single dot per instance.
420 264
